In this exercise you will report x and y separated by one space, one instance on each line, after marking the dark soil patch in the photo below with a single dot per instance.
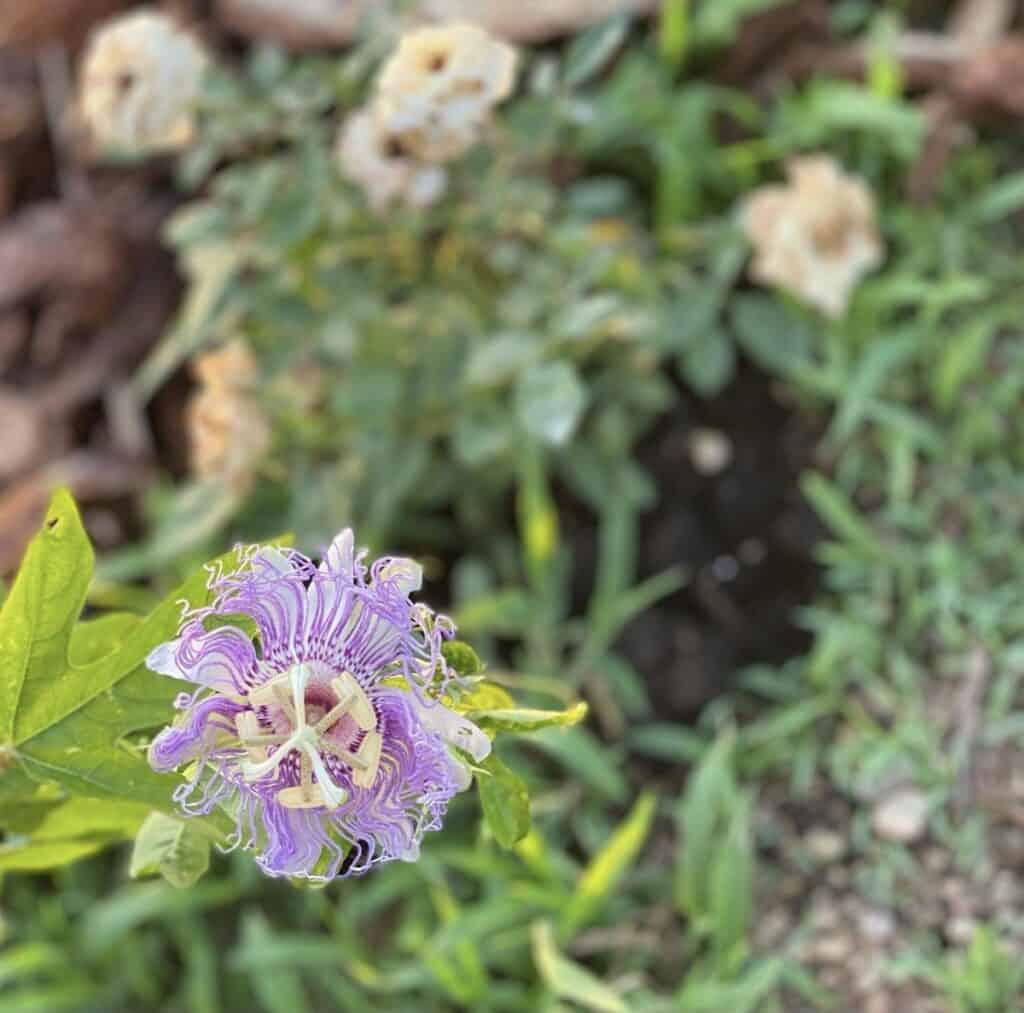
741 531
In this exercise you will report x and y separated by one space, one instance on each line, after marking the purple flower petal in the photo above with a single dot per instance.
222 659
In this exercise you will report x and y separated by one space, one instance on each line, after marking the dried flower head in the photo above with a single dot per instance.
232 367
321 738
227 428
140 79
439 88
815 237
388 176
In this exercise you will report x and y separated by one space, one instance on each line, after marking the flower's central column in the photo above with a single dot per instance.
287 694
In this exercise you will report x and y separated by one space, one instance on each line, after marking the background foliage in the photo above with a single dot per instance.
466 385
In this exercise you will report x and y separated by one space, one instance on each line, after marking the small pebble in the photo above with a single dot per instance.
961 930
710 451
832 949
901 817
825 845
877 925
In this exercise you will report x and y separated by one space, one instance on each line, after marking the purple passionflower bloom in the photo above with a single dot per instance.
323 737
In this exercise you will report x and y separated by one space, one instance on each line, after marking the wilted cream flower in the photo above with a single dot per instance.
437 91
140 79
388 176
231 367
227 429
816 236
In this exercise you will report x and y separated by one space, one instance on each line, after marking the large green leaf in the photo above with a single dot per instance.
71 697
47 835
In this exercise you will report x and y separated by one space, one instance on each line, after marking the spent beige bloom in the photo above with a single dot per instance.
139 81
387 175
816 236
232 367
227 428
437 92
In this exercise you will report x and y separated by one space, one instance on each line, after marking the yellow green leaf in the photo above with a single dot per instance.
524 719
569 980
609 866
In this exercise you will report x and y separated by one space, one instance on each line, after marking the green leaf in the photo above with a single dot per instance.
587 318
481 434
710 797
523 719
70 697
583 755
172 848
505 802
1003 198
550 398
591 51
505 611
48 835
282 991
674 33
962 357
747 995
716 24
461 657
607 868
691 316
500 360
484 696
708 364
32 856
836 510
731 887
569 980
773 336
36 619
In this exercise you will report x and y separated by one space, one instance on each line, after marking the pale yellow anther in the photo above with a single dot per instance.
248 727
274 694
265 695
301 796
306 794
356 702
369 753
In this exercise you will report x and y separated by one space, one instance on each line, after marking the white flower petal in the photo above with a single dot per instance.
406 574
455 729
341 556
